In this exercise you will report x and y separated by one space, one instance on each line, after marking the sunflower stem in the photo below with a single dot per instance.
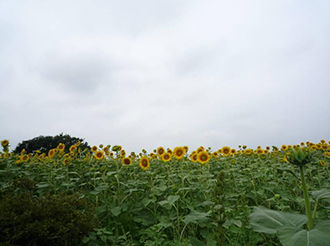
307 204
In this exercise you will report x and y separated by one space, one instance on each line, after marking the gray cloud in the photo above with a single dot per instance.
165 72
77 72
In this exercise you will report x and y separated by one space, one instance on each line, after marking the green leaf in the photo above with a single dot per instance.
268 221
287 170
293 236
196 217
209 237
172 199
321 194
115 211
195 242
40 185
162 203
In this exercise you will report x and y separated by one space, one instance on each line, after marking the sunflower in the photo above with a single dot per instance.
323 141
106 150
51 152
322 163
94 148
284 147
225 150
260 151
160 151
144 163
179 152
153 156
126 161
166 157
248 152
24 158
194 157
99 155
61 147
215 154
66 161
203 157
233 151
327 154
325 147
200 149
4 143
73 148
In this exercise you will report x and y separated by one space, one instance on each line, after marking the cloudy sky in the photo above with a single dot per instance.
155 73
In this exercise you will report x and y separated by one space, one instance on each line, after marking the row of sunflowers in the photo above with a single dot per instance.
201 155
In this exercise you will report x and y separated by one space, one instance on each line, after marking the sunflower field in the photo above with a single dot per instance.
105 196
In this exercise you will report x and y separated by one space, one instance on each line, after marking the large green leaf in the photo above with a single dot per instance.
318 236
269 221
321 194
196 217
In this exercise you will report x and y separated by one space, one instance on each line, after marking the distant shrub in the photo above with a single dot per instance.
46 143
49 220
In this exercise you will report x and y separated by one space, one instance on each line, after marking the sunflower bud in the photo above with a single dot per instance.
299 156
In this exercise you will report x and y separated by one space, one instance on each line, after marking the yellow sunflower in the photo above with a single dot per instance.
179 152
203 157
200 149
144 163
233 151
325 147
24 158
248 152
51 152
126 161
194 157
99 155
167 157
73 148
66 161
94 148
260 151
322 163
225 150
61 147
327 154
284 147
160 151
4 143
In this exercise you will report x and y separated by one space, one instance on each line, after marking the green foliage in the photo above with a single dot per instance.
45 143
46 220
289 226
270 221
177 202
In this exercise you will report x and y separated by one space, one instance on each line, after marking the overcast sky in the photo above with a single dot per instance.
168 73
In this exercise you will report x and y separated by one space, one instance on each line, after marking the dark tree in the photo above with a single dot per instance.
45 143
